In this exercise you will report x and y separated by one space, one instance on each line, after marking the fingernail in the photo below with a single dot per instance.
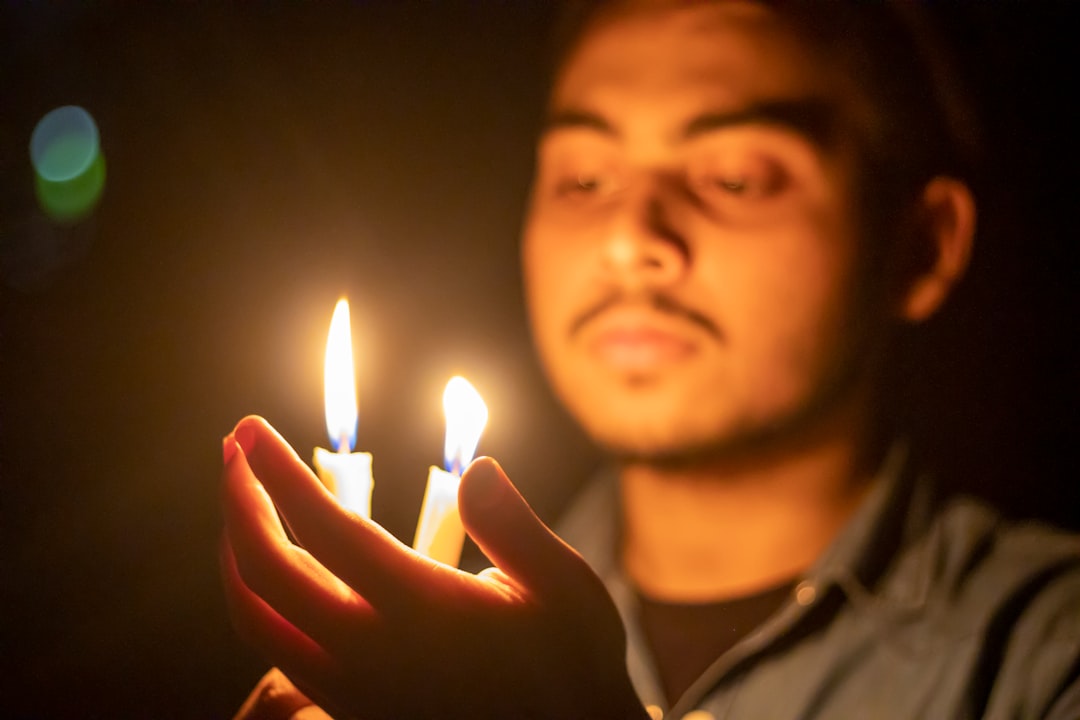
484 486
228 448
244 435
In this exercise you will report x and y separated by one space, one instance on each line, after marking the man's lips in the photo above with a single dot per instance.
635 346
641 335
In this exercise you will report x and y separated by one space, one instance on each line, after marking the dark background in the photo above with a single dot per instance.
263 161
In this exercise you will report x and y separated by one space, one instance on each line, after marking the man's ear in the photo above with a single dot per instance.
946 224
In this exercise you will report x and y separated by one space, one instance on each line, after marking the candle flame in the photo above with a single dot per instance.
466 416
339 382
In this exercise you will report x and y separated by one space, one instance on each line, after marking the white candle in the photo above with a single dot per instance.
345 473
348 476
439 533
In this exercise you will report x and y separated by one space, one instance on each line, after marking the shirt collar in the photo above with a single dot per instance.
894 507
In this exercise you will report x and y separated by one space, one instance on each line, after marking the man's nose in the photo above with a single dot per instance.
644 247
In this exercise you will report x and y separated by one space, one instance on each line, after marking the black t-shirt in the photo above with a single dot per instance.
685 638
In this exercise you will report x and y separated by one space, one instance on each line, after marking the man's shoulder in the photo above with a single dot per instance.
974 541
966 571
1016 586
996 600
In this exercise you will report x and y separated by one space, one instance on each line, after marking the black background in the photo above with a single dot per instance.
265 160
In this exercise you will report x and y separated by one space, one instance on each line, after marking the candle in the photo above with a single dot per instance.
439 534
345 473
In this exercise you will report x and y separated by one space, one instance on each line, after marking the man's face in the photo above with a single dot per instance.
690 250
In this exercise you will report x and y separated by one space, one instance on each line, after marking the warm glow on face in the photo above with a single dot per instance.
339 382
466 416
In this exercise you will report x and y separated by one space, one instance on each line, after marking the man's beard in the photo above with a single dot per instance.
849 383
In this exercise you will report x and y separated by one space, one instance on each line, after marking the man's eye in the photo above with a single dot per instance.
734 186
758 185
580 185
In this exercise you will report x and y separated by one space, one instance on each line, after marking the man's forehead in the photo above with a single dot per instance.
682 68
735 47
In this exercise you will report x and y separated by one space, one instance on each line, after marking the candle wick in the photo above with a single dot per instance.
343 444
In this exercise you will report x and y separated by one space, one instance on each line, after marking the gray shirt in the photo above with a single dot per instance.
921 608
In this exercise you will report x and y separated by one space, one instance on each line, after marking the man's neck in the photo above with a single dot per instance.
733 527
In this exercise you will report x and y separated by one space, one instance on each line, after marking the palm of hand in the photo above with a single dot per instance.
372 629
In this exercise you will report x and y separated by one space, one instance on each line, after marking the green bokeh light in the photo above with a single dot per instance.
69 166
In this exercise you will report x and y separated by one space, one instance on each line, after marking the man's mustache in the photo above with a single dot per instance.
655 300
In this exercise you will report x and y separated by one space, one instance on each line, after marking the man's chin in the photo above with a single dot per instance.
689 449
650 448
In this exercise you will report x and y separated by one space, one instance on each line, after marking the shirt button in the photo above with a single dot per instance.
698 715
805 593
654 712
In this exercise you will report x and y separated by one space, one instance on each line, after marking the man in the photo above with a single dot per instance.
735 206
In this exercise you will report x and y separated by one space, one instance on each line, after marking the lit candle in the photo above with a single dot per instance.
345 473
439 534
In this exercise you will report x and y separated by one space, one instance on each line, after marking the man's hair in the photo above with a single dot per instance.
915 120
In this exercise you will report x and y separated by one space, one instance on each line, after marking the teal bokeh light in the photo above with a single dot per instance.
69 167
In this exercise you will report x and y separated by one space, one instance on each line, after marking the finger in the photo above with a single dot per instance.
360 552
273 698
278 641
263 628
508 532
285 576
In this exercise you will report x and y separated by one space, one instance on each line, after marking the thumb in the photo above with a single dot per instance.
276 698
508 532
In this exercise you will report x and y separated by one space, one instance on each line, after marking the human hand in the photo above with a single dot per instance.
276 698
370 628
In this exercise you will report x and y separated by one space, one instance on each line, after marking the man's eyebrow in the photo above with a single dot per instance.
814 119
578 119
